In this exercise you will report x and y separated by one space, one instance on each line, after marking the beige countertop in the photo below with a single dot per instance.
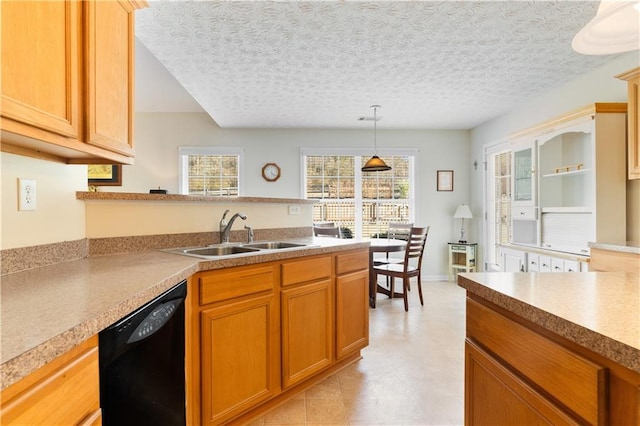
597 310
621 246
47 311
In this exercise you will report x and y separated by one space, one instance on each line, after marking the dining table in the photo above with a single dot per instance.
380 245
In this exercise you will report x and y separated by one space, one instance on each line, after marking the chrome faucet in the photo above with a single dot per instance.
225 227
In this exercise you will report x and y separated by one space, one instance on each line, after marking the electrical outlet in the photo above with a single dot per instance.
294 210
26 194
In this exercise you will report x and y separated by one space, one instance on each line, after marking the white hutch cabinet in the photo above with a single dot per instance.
569 185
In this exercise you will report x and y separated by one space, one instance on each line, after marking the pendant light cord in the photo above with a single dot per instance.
375 131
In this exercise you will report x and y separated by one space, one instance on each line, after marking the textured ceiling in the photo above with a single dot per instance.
321 64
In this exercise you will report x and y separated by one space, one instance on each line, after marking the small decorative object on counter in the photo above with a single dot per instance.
158 191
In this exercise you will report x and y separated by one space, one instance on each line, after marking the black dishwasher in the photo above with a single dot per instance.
142 364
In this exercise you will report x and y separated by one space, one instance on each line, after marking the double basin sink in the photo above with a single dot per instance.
232 249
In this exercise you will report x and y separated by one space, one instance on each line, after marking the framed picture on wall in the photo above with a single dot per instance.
105 175
445 180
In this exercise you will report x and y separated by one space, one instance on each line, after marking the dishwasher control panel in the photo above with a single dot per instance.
154 321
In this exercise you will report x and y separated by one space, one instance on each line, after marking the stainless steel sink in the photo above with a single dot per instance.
273 245
220 250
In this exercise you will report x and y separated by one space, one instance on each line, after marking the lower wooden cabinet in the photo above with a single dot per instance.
519 374
307 325
352 311
496 396
240 347
256 334
233 338
614 261
65 391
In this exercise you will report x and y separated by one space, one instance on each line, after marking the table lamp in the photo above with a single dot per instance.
462 212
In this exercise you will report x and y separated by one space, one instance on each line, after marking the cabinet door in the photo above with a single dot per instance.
545 264
557 265
512 261
110 56
495 396
533 262
352 313
634 125
524 182
633 121
40 68
240 357
307 337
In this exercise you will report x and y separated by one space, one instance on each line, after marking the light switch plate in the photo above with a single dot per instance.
26 194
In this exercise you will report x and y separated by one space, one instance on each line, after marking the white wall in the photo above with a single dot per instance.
58 215
599 85
158 136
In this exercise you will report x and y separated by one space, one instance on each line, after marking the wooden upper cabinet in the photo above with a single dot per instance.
110 58
39 56
633 121
67 80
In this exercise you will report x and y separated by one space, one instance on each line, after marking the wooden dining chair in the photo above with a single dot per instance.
325 231
408 269
396 231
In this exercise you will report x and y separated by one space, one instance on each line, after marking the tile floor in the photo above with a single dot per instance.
412 373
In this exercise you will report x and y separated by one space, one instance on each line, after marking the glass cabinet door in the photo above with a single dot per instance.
523 175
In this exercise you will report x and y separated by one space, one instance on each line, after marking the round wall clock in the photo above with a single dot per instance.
271 172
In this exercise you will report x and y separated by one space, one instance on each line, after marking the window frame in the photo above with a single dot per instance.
365 153
183 168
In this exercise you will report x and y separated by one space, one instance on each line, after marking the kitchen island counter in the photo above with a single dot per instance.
47 311
599 311
552 348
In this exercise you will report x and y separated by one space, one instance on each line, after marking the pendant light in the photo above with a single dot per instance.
614 29
375 163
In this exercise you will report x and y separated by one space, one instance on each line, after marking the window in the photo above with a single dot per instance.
363 203
210 171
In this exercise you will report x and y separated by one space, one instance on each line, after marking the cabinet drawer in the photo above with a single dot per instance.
306 270
524 213
66 391
227 284
497 396
576 382
351 262
557 265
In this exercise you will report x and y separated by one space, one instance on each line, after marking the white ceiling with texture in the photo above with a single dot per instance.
321 64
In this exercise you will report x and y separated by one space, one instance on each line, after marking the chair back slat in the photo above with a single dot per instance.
323 231
415 245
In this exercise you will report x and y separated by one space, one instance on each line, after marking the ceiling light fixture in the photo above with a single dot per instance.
375 163
614 29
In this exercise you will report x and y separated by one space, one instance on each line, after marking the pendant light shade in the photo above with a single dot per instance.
614 29
375 163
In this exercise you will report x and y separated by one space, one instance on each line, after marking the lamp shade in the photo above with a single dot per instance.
614 29
463 212
375 164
